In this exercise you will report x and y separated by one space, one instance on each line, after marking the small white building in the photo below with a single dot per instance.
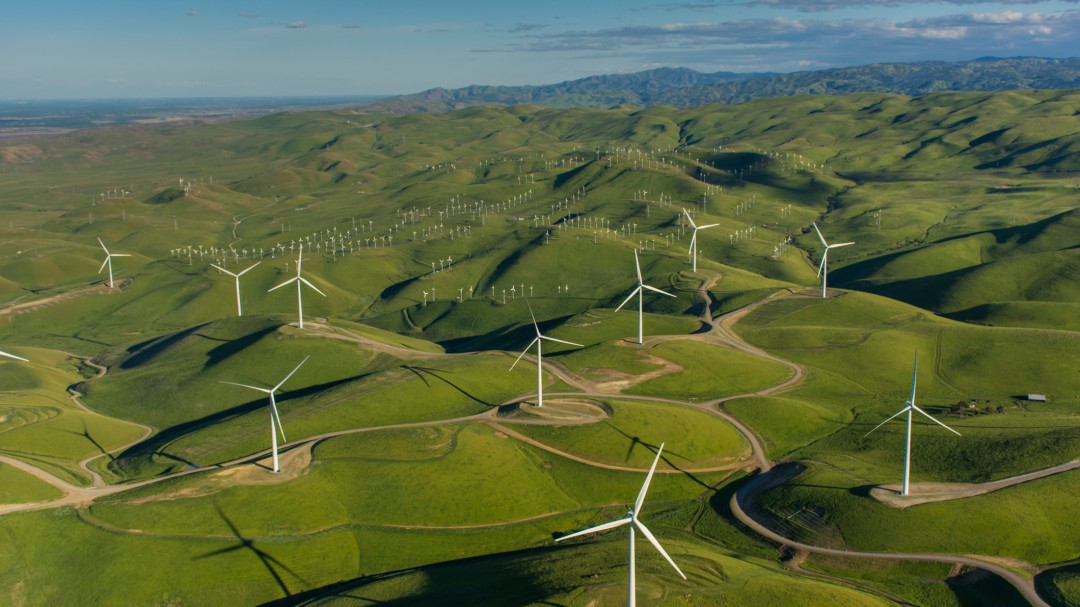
1039 398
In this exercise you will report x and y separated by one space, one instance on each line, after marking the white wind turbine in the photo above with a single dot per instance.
299 280
823 269
632 520
275 418
539 356
909 408
108 261
237 277
640 292
693 239
13 356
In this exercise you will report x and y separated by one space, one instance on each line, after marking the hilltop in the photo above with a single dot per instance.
684 87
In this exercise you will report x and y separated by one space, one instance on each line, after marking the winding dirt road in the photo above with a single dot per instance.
721 334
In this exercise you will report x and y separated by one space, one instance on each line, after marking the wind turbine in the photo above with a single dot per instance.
632 520
539 356
274 416
693 239
237 277
910 407
108 261
823 269
13 356
298 280
640 292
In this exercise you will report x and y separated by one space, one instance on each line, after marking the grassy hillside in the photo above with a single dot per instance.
411 461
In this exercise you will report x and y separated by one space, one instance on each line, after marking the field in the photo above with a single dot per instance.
413 460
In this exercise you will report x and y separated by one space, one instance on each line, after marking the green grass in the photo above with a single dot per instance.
635 429
19 487
922 583
39 423
972 225
983 525
705 371
362 486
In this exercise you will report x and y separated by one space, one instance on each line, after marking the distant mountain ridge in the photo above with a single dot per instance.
684 87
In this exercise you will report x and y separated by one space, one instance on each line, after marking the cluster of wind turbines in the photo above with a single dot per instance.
298 279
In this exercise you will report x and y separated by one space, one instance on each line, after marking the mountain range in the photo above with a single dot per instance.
683 87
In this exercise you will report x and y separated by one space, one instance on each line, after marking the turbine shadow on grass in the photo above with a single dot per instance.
268 560
85 432
500 579
422 371
635 441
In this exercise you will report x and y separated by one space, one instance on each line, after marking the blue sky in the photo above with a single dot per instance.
164 48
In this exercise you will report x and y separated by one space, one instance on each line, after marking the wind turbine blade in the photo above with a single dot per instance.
652 540
820 237
277 417
103 264
693 239
690 219
914 376
569 343
886 421
711 225
628 298
226 271
842 244
821 266
533 316
13 356
645 487
597 529
655 290
928 416
246 269
282 382
637 266
232 383
305 281
287 282
119 254
103 246
523 352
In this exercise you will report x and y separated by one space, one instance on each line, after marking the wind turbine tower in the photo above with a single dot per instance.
635 523
640 292
239 312
910 407
823 269
275 417
539 356
693 239
108 261
299 280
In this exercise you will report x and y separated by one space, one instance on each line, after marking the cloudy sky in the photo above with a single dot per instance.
164 48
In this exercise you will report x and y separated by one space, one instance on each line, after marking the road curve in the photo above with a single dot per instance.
744 498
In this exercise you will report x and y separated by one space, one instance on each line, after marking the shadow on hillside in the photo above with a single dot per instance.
271 564
635 441
507 579
156 444
144 352
421 372
235 346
